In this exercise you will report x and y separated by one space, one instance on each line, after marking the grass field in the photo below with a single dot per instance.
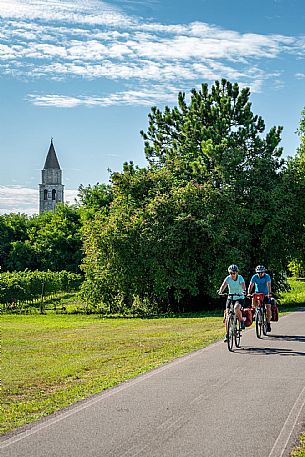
51 361
295 297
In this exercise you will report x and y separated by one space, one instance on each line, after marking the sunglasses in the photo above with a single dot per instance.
233 272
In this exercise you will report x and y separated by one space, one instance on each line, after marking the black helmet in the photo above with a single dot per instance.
260 269
233 268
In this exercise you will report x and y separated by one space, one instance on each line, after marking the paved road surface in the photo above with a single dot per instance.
209 403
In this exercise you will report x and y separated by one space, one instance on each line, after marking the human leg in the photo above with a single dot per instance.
237 310
225 320
268 313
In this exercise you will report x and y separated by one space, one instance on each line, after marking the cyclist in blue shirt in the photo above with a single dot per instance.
262 282
236 285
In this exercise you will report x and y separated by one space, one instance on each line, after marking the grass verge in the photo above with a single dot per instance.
52 361
300 450
290 301
295 297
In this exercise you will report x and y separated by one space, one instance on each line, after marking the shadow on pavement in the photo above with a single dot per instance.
299 338
269 351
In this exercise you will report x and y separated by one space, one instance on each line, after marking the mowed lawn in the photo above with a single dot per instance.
51 361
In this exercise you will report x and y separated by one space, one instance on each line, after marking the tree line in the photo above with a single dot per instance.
216 190
49 241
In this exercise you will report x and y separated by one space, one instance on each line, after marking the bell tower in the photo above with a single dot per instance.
51 190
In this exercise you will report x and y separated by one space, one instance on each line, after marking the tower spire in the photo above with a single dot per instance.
51 160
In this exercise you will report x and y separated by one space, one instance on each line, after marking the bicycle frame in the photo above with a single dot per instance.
232 325
260 314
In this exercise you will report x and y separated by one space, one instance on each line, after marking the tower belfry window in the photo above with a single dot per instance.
53 194
45 194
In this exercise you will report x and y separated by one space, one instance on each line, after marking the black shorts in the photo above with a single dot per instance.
241 301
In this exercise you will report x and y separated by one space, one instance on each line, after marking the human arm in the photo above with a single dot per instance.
269 287
243 285
223 286
251 285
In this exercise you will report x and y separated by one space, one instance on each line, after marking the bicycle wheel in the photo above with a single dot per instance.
258 323
264 322
230 332
237 333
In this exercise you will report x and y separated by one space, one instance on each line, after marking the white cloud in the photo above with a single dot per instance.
7 52
184 44
89 12
70 195
60 101
18 199
154 72
15 199
93 40
146 96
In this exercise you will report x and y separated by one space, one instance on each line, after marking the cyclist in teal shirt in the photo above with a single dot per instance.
262 282
236 285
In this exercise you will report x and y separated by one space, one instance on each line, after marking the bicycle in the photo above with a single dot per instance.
233 330
260 314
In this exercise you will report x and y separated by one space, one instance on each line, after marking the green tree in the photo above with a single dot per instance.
22 255
51 240
215 137
13 229
56 239
296 180
212 185
95 198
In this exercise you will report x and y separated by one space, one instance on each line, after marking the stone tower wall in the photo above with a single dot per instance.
51 176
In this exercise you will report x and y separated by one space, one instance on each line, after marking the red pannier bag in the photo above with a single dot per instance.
274 312
248 314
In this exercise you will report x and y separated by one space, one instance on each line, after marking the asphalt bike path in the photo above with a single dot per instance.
208 403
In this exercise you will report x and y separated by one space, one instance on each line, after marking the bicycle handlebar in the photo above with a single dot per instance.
255 293
231 295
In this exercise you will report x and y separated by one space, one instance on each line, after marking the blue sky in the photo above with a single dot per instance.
87 72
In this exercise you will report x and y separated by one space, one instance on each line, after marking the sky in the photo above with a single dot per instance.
87 73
